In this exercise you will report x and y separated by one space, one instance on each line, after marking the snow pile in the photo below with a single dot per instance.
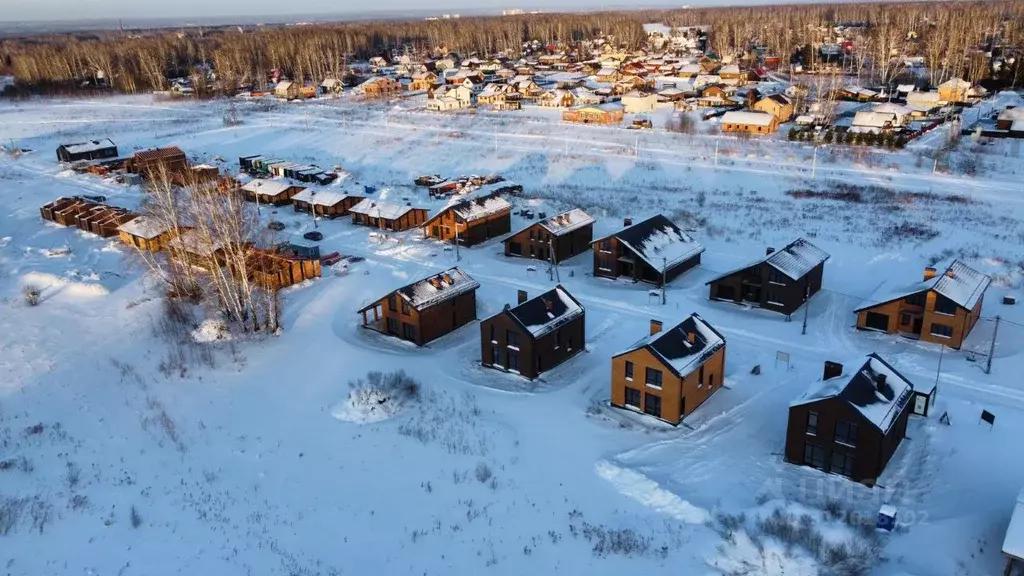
649 493
378 398
211 331
64 286
787 538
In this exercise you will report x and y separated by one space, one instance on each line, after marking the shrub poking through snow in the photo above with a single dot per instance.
33 294
377 397
483 473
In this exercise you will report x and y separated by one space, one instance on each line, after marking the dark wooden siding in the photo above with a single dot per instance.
608 264
442 227
536 356
565 246
412 219
873 450
446 317
753 286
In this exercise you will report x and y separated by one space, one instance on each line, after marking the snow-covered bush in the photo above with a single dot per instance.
377 397
32 294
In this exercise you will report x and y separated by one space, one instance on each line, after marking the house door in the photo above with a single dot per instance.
918 322
515 248
435 232
726 292
876 321
753 294
921 405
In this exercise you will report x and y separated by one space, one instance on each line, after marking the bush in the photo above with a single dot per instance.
483 473
134 517
33 294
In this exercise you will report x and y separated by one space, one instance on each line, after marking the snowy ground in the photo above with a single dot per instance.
252 457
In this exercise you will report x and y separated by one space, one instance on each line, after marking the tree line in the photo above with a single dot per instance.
956 39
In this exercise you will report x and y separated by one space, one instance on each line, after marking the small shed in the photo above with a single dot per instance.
326 203
274 192
1013 543
91 150
146 233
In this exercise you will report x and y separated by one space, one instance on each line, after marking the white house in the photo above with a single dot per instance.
926 100
639 103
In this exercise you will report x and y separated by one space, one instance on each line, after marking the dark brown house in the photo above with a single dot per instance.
91 150
563 236
159 162
387 216
782 281
654 251
852 422
326 203
471 221
536 335
425 310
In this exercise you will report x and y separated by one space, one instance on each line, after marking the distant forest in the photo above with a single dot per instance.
956 39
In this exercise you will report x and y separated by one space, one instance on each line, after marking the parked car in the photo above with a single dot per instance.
314 236
276 226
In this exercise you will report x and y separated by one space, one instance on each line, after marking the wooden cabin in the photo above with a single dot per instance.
425 310
387 216
607 113
749 122
562 236
534 336
190 248
852 421
146 233
159 162
670 373
778 105
288 90
942 308
63 210
782 281
325 203
654 251
273 271
380 87
471 221
91 150
271 192
103 220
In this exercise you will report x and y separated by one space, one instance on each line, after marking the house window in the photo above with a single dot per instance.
916 299
393 303
700 377
633 398
629 370
405 307
606 245
494 335
905 319
814 456
408 331
711 381
558 339
944 305
513 361
495 355
776 277
652 404
515 248
942 330
847 433
653 378
392 326
812 423
531 233
842 463
512 338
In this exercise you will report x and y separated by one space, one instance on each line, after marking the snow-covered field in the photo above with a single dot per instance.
123 451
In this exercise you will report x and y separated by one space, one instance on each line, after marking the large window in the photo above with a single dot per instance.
653 378
842 464
405 307
814 456
700 377
942 330
776 277
393 303
847 433
629 370
393 326
812 423
512 338
633 398
494 335
916 299
944 305
652 405
495 355
408 331
513 361
606 246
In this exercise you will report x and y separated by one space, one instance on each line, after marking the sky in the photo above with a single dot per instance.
64 10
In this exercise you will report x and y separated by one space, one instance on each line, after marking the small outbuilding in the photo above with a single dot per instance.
146 233
325 202
387 216
91 150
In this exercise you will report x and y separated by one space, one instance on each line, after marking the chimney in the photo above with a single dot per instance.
655 327
832 370
691 337
627 222
769 251
522 296
930 273
880 382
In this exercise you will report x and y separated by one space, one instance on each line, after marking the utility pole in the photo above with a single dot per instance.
495 138
992 348
458 256
807 305
636 149
814 163
664 280
552 263
716 152
938 370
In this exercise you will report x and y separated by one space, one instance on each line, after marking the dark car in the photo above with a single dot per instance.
314 236
275 225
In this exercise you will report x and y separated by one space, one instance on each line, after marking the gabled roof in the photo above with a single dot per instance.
659 242
545 313
674 349
959 282
379 209
322 197
144 227
567 222
879 403
158 153
268 187
749 118
470 209
90 146
796 260
435 289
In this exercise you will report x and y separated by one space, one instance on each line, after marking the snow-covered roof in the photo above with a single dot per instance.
729 69
890 108
1013 543
144 227
438 288
955 83
470 209
284 85
929 97
268 187
567 222
797 259
191 241
690 69
876 390
654 28
547 312
1011 114
607 72
659 242
378 209
751 118
320 197
873 119
90 146
674 348
959 282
